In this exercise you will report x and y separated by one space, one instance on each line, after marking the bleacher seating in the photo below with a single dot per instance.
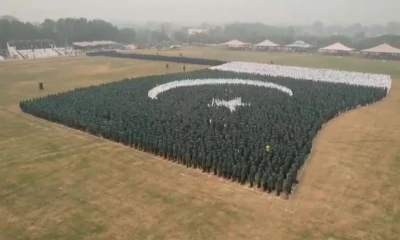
38 50
26 54
45 53
39 53
13 53
68 52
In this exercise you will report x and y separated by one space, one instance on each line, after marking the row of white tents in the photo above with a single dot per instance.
383 48
267 43
336 47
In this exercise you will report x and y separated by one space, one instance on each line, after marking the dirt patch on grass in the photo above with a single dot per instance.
40 69
25 83
93 70
13 108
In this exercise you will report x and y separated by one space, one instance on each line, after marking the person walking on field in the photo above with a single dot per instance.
184 68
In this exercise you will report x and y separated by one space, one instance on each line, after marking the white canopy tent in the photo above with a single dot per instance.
236 44
336 47
1 58
267 43
383 48
299 44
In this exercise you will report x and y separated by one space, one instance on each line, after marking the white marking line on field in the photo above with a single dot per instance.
304 166
293 189
288 211
300 174
263 194
295 204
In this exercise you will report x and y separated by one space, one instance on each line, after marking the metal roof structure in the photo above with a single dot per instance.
235 43
93 43
267 43
338 47
383 48
299 44
35 40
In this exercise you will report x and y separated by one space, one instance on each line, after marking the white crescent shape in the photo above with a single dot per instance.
214 81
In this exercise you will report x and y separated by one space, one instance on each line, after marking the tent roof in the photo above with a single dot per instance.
93 44
337 47
299 44
267 43
235 42
384 48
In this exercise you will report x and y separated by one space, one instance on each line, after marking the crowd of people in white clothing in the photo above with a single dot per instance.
231 104
198 82
315 74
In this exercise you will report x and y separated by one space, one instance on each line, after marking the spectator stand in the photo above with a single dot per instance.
32 49
95 46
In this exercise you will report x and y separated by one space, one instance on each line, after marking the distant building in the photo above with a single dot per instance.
194 31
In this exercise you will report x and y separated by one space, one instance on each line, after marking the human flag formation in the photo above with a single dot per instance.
169 116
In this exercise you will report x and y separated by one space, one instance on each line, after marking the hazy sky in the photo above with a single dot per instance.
215 11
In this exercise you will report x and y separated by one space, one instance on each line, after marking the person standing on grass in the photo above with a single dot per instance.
184 68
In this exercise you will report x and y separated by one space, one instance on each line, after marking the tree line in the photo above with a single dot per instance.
63 31
354 35
258 32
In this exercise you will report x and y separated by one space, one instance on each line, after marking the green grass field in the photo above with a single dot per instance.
57 183
317 61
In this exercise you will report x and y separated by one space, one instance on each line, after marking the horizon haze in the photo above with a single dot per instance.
281 12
